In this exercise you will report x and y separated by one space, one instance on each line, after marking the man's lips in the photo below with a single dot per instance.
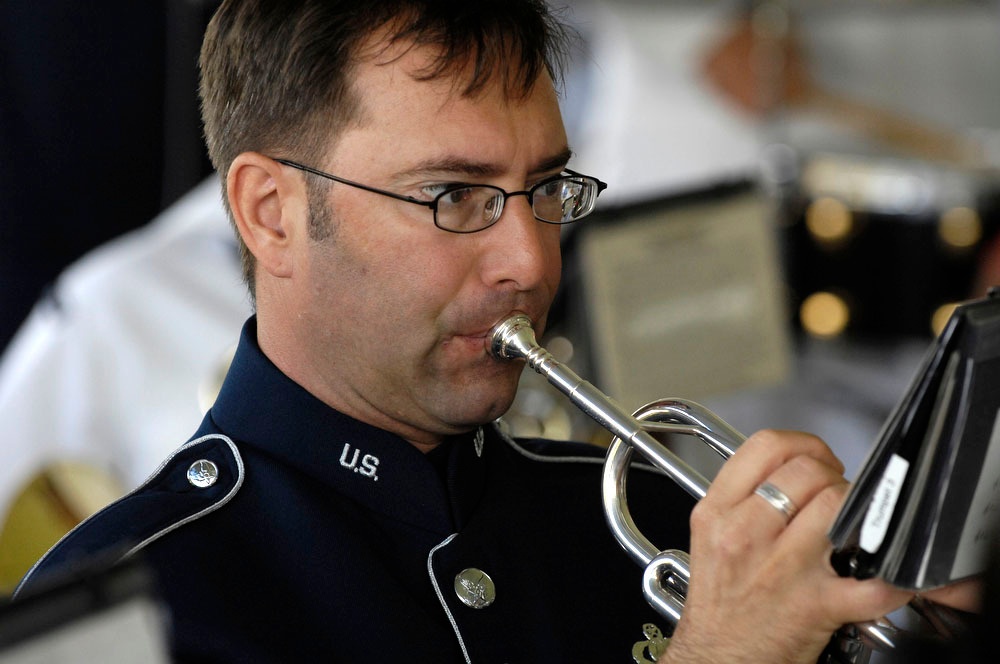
475 338
482 337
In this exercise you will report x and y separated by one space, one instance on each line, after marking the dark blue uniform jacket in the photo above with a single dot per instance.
325 539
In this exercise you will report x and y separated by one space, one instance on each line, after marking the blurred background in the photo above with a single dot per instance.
99 128
798 193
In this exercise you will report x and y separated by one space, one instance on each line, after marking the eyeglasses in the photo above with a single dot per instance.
468 208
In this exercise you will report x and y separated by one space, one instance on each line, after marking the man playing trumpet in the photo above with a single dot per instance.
396 171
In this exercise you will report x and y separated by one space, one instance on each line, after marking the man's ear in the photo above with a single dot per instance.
270 209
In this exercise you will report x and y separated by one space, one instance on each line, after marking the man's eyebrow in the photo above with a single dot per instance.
470 168
556 161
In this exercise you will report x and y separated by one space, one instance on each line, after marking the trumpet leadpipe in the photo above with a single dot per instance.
514 338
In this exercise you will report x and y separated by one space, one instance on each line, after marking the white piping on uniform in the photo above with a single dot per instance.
440 596
534 456
530 455
541 457
211 508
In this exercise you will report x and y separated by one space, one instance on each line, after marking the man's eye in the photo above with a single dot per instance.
450 193
432 190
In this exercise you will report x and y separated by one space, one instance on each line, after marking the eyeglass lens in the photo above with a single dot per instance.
559 201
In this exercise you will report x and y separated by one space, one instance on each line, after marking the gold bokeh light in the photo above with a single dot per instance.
941 316
824 315
960 228
829 221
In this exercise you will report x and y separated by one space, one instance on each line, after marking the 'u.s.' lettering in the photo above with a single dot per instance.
368 466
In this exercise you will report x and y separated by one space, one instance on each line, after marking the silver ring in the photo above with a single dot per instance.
777 499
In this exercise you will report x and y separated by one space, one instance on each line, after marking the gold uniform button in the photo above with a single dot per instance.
475 588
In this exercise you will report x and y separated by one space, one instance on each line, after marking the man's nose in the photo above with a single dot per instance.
522 249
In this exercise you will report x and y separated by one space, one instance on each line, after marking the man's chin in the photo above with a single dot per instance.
478 409
487 413
479 396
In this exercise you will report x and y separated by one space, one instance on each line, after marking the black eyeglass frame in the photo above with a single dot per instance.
433 204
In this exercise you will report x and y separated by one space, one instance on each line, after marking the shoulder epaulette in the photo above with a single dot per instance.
197 479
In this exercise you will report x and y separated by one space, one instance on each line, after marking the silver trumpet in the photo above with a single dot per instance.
667 573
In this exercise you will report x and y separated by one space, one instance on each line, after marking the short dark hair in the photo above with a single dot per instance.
276 74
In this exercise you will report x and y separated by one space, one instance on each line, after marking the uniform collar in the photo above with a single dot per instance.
260 407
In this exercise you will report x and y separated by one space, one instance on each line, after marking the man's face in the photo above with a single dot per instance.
389 317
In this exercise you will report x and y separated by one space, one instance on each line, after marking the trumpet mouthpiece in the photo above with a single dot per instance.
511 338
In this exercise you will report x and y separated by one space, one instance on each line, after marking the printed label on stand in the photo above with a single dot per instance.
883 504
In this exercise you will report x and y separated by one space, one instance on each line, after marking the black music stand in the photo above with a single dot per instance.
927 500
113 616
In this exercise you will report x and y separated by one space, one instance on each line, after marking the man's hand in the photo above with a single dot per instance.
965 595
762 588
